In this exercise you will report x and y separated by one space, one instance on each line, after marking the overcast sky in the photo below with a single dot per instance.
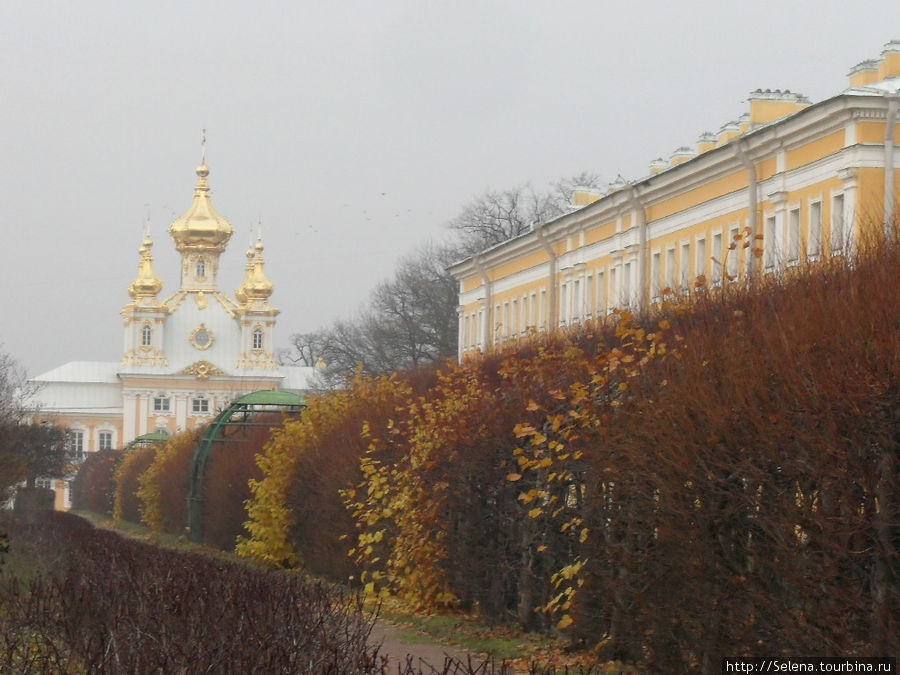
352 130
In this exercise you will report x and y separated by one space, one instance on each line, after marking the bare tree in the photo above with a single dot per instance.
12 388
305 350
411 320
27 450
494 217
408 321
497 216
562 191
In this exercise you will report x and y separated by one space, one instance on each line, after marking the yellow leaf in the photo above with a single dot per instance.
583 536
532 406
534 513
521 430
565 622
513 477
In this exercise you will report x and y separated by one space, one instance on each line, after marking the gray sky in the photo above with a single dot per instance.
353 130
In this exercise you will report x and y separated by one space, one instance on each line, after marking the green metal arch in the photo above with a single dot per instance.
144 440
244 412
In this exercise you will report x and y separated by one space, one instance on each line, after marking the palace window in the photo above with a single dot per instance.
655 264
626 285
76 444
701 258
201 269
161 404
614 300
601 294
258 338
200 405
104 440
45 483
146 335
734 250
793 252
769 244
837 224
564 303
718 253
515 317
670 268
577 302
589 296
814 240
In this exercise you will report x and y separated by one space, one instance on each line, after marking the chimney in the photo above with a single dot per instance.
864 73
706 142
582 196
657 165
890 61
728 131
682 154
744 124
772 104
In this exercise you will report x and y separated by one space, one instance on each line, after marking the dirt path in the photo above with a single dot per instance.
423 654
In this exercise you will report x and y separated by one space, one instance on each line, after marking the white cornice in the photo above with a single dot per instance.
815 121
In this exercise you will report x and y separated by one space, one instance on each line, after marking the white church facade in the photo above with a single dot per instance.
185 356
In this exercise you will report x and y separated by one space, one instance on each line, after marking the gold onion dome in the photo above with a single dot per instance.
146 284
256 285
241 293
201 228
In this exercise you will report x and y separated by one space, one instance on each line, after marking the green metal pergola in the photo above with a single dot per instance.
144 440
243 412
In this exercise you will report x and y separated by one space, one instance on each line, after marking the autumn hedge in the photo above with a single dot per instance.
716 478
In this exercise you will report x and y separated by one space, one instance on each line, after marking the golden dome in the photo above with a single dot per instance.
241 293
256 285
201 228
146 284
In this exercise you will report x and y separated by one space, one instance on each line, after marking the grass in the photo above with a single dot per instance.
460 631
502 643
20 560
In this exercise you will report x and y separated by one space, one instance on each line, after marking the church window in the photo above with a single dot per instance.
104 440
161 404
146 335
258 338
201 268
200 405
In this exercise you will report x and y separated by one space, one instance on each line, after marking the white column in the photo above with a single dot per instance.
180 411
144 412
129 409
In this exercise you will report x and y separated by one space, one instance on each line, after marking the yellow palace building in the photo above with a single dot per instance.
184 356
798 180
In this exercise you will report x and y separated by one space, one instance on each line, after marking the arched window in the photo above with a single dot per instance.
146 335
258 338
201 268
